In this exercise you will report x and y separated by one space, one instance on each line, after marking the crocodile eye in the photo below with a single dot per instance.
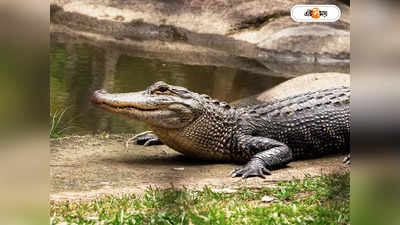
162 89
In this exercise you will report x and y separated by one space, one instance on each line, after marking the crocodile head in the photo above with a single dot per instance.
160 105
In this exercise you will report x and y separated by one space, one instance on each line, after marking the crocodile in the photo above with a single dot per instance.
263 137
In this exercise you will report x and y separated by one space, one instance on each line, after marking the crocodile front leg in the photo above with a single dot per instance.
269 153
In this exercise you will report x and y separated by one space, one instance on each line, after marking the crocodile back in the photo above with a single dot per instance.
311 124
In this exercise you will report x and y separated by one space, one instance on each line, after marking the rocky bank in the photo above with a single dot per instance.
256 35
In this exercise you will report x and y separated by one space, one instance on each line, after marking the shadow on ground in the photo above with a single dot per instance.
84 167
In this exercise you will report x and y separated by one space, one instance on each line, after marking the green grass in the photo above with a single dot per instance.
57 125
313 200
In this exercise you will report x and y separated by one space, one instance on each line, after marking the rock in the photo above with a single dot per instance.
224 190
305 83
298 85
307 44
255 35
309 39
267 199
283 40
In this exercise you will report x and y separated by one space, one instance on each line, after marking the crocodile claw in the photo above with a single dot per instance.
149 142
250 171
347 160
146 138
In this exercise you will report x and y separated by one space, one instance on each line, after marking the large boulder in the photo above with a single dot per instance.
305 83
298 85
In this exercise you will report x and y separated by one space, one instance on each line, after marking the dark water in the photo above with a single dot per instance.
76 70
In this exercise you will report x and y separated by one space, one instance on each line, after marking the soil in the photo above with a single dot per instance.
86 167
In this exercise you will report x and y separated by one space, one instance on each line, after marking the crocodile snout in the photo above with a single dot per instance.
101 91
96 96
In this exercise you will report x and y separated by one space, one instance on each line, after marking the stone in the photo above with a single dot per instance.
267 199
297 85
224 190
305 83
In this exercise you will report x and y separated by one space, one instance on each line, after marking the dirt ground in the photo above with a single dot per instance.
85 167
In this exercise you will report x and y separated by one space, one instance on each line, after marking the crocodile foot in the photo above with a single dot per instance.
146 138
251 171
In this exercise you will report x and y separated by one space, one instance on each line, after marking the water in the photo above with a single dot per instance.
76 70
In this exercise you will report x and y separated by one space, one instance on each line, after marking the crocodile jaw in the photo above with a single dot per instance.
141 106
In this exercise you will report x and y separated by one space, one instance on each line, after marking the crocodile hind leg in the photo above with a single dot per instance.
269 153
146 138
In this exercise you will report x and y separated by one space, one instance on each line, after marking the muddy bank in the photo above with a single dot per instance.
84 167
255 35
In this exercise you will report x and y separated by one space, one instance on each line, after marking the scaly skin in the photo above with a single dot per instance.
264 136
